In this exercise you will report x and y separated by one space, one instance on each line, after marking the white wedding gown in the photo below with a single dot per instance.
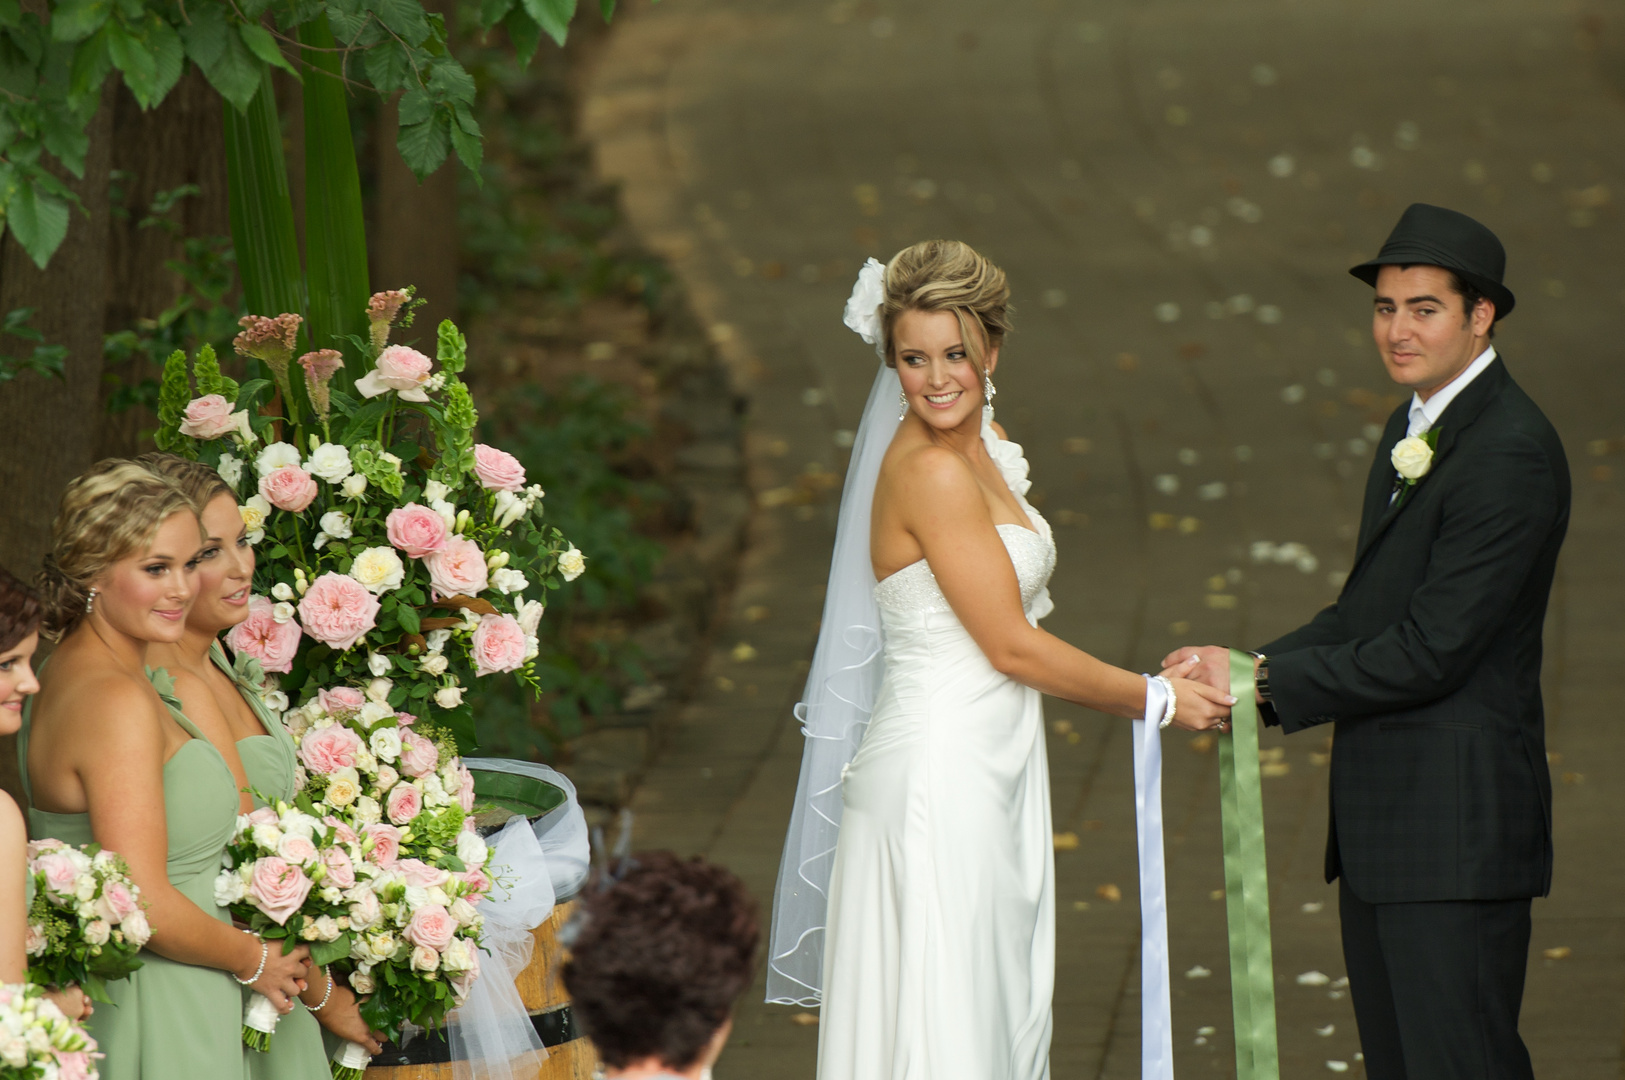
939 954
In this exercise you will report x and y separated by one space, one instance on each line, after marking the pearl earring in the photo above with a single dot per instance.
90 600
902 405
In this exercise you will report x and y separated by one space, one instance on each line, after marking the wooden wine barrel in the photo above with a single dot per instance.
570 1055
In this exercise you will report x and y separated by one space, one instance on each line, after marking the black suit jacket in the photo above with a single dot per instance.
1429 662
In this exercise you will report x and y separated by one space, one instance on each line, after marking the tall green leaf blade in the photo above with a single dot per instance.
261 209
335 229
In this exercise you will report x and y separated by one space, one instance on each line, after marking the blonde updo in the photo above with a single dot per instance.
109 512
948 275
201 483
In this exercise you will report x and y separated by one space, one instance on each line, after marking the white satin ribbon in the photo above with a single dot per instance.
1156 1009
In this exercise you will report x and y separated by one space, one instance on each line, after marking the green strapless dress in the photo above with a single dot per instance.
297 1051
170 1020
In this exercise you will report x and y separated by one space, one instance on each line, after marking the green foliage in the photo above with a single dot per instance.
43 359
52 72
570 442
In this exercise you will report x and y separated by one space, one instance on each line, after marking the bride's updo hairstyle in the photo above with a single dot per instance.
201 483
109 512
947 275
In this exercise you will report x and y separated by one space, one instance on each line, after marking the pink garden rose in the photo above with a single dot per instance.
297 850
417 872
476 881
328 749
386 844
341 832
404 803
262 815
116 902
136 930
73 1064
400 369
60 873
419 756
499 645
498 470
272 643
278 888
340 870
431 925
465 789
337 610
458 569
208 417
405 719
288 488
463 983
341 699
416 530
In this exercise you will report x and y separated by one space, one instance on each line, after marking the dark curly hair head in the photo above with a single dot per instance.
660 958
20 611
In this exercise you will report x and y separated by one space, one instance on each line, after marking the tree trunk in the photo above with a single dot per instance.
178 143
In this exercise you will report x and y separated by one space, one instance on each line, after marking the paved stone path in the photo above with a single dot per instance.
1176 189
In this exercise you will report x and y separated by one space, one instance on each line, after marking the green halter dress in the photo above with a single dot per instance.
170 1020
297 1051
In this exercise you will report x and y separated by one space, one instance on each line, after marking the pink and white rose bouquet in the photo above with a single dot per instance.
37 1042
86 924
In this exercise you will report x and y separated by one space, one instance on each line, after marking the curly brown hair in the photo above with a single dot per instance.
20 611
660 958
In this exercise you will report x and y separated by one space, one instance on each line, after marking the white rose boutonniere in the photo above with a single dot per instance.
1413 459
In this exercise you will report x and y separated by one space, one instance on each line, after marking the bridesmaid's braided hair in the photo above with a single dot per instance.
108 512
948 275
19 611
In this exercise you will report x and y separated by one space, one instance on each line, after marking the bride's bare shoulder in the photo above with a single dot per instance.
927 475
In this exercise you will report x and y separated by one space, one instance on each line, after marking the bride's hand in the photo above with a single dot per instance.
1199 707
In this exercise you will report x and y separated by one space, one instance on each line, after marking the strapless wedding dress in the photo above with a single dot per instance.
939 955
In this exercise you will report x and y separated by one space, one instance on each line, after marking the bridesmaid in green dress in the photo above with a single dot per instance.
224 701
19 637
108 757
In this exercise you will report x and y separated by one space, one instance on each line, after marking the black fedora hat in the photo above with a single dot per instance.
1433 236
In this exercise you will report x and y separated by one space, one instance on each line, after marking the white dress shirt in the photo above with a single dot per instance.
1424 414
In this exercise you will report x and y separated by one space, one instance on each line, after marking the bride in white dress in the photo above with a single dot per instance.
937 949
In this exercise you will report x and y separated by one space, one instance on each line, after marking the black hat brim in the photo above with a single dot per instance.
1416 252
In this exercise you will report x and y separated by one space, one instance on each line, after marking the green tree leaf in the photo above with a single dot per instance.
389 66
607 9
38 220
225 59
132 57
403 17
424 146
523 32
263 45
75 20
168 54
467 142
553 16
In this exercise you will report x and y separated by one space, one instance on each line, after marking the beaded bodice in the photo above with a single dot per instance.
915 588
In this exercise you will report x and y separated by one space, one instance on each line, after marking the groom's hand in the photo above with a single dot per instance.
1208 664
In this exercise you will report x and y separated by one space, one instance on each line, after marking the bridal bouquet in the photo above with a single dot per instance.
37 1042
85 924
391 543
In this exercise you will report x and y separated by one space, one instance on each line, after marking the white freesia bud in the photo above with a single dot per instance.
434 491
463 518
378 663
447 512
282 611
1412 458
529 614
509 508
354 486
230 468
282 591
449 697
244 434
437 639
434 664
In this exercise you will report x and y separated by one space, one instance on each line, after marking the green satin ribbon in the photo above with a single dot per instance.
1246 883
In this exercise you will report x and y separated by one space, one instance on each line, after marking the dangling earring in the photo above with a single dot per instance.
902 405
90 600
988 389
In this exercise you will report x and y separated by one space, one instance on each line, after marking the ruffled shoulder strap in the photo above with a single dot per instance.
163 682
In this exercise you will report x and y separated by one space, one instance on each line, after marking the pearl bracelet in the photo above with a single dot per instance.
265 951
323 1004
1171 704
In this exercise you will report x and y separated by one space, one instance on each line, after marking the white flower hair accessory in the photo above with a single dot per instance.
863 308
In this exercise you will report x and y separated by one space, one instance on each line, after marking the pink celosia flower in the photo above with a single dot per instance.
382 308
320 367
338 610
270 340
272 643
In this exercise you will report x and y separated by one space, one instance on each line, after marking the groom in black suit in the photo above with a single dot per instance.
1428 666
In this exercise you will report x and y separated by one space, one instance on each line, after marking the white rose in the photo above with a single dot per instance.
97 931
458 956
434 491
361 982
254 512
434 792
267 836
472 849
386 774
509 581
378 568
378 663
230 469
337 525
374 711
386 744
229 888
341 792
572 563
529 615
425 959
383 945
275 700
364 910
363 757
354 486
464 912
327 928
434 664
1412 458
274 457
330 461
281 611
449 697
284 849
14 1051
297 721
367 811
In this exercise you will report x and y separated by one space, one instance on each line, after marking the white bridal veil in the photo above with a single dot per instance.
841 687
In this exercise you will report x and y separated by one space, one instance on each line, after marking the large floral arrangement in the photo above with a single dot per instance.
391 543
37 1042
86 924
